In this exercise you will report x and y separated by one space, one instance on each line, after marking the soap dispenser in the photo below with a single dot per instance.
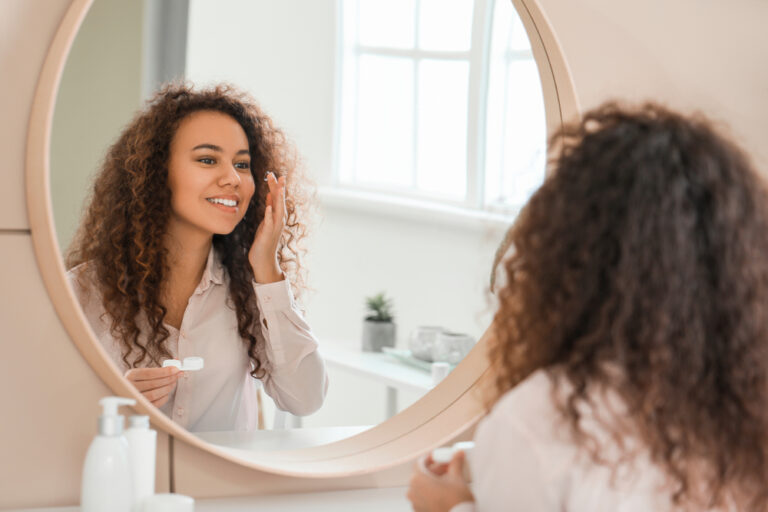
107 483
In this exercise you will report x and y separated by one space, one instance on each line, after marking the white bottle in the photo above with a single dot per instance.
107 481
142 445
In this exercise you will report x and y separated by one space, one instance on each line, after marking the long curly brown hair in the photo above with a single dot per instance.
122 236
646 251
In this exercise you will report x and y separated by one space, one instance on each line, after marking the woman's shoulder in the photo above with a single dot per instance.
531 398
534 408
529 414
541 394
83 281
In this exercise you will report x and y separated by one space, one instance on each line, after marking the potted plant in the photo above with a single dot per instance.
379 325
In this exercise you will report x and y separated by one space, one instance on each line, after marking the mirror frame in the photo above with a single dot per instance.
440 415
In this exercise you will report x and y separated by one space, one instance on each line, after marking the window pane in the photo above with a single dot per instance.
347 148
519 37
442 121
496 99
385 121
515 119
445 25
525 133
387 23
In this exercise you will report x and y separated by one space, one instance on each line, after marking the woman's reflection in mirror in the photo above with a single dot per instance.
630 347
186 248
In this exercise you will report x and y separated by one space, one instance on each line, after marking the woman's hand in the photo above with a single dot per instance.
263 253
438 487
156 384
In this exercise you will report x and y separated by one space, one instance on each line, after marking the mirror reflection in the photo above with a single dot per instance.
414 130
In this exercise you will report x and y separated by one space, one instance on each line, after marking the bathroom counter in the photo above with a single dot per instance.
285 439
371 500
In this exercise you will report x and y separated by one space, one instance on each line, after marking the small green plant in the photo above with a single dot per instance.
378 308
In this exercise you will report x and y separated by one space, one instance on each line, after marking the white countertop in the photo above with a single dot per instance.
286 439
390 499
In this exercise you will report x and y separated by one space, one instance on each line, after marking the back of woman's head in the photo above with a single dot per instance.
122 234
646 251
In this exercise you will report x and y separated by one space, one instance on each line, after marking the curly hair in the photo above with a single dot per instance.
122 235
646 251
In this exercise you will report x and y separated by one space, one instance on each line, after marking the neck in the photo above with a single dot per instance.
187 255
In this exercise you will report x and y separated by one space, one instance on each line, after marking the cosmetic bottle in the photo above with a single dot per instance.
142 446
107 483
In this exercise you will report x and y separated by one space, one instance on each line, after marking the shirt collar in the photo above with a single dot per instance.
213 273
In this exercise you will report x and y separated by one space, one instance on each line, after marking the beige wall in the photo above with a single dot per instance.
693 54
690 53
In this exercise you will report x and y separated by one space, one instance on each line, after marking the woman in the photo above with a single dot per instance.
182 251
631 338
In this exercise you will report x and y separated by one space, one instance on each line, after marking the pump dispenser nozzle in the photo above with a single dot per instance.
111 423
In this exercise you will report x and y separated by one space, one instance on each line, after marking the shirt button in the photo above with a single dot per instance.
180 411
183 333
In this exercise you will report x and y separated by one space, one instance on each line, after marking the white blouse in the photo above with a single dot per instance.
526 460
223 395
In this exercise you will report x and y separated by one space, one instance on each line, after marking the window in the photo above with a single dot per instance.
440 100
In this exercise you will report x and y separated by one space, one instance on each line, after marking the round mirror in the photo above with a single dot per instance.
422 126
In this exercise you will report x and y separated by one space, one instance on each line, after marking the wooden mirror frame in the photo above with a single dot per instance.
440 415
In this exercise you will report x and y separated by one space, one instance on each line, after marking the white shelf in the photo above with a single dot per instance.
378 367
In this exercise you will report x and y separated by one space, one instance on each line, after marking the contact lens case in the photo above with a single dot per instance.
190 364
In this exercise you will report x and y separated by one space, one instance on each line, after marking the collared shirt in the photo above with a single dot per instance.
223 395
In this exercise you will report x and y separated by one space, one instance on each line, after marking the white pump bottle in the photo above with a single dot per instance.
107 483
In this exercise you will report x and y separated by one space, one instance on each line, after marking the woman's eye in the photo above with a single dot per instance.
206 161
243 165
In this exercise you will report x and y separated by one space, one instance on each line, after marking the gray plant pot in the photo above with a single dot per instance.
377 335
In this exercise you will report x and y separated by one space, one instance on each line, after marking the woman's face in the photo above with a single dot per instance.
209 173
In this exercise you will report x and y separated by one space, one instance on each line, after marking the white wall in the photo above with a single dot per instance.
437 275
283 53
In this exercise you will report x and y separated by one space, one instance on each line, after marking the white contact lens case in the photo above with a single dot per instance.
445 454
190 364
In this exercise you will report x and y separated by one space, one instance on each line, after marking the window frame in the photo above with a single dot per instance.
478 59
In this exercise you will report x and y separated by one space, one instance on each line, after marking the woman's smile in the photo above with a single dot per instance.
226 203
